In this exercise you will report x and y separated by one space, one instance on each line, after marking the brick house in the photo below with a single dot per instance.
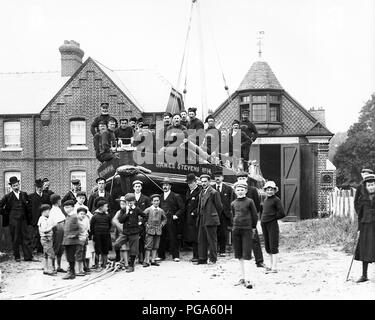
292 148
45 117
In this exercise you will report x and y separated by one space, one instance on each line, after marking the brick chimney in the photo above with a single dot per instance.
319 114
71 57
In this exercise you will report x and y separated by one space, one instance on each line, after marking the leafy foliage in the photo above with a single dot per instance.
358 151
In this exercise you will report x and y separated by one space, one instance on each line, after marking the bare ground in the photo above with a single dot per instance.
315 273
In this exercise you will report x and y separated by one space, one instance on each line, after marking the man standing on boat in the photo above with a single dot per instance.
104 116
194 122
251 132
107 142
124 133
173 207
184 119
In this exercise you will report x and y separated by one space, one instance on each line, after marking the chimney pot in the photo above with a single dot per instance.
71 57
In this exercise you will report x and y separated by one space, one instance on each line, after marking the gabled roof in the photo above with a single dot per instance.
260 76
28 92
318 129
31 92
147 89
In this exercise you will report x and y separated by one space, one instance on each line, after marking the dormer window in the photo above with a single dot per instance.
263 108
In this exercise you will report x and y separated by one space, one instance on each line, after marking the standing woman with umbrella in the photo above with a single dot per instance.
365 250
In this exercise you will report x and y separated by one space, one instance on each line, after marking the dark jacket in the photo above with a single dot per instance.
196 124
244 213
209 207
358 196
100 223
143 203
173 205
6 207
124 135
249 129
227 196
70 196
191 203
71 230
272 209
35 202
130 220
107 196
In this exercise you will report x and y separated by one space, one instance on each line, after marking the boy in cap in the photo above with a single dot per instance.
45 230
272 211
100 227
244 224
71 237
155 220
129 217
57 218
84 223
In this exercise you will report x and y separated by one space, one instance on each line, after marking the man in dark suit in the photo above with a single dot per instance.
191 202
226 196
47 193
101 193
173 207
252 193
208 219
142 202
72 194
36 200
15 208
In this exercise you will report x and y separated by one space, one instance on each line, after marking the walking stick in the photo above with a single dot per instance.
351 263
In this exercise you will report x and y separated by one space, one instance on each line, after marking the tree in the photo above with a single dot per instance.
358 151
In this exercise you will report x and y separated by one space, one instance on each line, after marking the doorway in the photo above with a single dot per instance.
270 163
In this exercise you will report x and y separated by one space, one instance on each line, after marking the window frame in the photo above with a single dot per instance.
11 147
269 101
77 146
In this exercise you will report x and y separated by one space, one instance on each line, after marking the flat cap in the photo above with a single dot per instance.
75 181
240 185
137 181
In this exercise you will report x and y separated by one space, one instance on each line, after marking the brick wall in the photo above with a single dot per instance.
322 156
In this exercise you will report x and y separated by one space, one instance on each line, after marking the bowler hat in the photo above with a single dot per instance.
76 181
38 183
271 184
166 180
99 179
130 197
190 177
68 203
13 180
137 181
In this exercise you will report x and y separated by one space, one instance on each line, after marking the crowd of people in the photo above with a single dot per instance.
219 144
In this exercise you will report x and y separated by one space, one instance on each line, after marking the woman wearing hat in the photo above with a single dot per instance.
365 250
271 212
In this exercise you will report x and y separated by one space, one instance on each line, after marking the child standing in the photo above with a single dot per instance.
155 221
244 215
71 237
100 226
45 231
57 218
122 253
271 212
84 223
129 217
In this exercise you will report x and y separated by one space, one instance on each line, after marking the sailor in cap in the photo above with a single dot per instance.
104 116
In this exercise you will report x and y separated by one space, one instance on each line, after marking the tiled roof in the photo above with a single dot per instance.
260 76
28 92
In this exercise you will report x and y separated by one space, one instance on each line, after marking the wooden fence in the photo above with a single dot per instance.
340 203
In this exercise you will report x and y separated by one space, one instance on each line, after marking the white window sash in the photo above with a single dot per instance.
78 132
12 134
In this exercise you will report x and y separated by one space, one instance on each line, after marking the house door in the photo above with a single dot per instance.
290 181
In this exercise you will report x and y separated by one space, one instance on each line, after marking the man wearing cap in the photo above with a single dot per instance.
194 122
107 142
100 193
173 207
192 201
72 194
252 193
212 139
97 140
142 202
359 192
36 200
15 208
227 196
252 133
176 131
208 219
184 119
104 116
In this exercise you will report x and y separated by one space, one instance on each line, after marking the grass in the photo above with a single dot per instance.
339 232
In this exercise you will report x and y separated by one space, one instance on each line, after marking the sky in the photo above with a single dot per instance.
321 51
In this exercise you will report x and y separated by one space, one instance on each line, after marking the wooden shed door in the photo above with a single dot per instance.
290 181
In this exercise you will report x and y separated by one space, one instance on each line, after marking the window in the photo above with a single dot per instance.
78 132
259 112
274 112
81 176
257 99
9 174
12 134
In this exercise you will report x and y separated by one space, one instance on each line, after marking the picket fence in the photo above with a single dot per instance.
340 203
